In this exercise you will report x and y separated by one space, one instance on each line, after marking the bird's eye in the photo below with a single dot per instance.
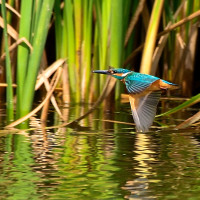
111 71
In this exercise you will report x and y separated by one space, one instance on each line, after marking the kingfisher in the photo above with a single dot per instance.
144 93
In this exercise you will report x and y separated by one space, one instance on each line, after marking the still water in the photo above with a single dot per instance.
99 159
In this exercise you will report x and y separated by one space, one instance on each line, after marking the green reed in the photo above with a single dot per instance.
91 34
9 89
150 41
23 51
91 37
34 26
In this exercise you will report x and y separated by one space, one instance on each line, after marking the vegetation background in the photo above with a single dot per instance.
57 43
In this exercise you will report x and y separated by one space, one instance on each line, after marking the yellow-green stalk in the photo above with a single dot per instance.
150 40
9 90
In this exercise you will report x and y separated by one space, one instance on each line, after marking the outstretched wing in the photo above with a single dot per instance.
144 109
136 86
137 83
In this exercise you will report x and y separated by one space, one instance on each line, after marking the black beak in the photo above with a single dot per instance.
102 72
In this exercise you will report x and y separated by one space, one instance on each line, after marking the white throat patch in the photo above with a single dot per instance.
125 74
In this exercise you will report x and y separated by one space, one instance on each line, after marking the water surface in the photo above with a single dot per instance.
97 159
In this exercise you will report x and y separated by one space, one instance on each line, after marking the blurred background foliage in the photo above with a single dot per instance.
158 37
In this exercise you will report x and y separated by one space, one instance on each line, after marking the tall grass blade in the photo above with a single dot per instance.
68 22
190 5
35 57
9 90
186 104
78 32
151 37
87 48
58 28
104 24
23 51
116 40
78 22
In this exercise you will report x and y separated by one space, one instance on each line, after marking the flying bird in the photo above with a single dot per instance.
144 94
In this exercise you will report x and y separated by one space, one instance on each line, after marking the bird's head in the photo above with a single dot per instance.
119 73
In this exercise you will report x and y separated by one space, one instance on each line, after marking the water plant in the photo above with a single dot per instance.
93 34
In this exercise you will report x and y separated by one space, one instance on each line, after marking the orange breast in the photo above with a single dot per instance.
118 74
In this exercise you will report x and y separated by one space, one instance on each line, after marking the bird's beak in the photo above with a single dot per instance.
102 72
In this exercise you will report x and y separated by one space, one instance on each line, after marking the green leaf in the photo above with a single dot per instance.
186 104
9 90
39 40
150 40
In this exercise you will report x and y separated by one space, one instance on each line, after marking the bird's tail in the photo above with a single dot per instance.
168 85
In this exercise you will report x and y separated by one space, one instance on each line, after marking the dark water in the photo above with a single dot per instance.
99 160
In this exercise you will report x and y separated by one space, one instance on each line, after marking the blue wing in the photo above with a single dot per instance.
137 83
144 109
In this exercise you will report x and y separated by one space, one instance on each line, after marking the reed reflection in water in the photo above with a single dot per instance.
99 159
